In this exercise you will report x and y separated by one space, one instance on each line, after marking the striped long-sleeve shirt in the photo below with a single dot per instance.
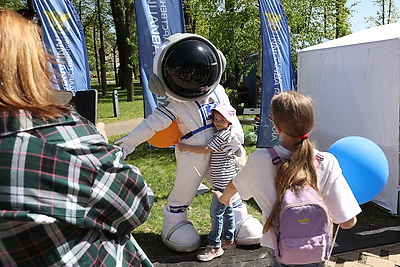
222 164
66 198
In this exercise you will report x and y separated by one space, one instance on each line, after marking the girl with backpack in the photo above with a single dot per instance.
295 171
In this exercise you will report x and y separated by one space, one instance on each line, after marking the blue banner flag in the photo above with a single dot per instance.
277 67
156 20
64 39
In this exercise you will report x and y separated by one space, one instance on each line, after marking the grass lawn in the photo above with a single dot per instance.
128 110
158 169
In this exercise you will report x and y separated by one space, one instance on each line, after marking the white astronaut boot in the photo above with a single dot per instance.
248 229
178 233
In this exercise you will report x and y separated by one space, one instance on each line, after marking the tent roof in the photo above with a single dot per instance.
375 34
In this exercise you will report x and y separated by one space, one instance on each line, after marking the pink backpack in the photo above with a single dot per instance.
303 226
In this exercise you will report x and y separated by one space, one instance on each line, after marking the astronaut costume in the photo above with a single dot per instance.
188 68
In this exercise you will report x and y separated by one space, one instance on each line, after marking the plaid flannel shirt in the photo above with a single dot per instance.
66 198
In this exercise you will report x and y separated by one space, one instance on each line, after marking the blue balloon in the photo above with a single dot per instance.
364 166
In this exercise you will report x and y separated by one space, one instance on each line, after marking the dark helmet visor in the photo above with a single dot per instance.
190 68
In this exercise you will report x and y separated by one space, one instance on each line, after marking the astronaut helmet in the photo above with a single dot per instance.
187 67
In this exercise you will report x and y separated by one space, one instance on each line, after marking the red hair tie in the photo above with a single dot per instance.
304 136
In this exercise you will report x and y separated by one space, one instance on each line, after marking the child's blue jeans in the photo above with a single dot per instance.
222 222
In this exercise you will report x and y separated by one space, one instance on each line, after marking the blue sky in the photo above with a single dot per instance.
364 9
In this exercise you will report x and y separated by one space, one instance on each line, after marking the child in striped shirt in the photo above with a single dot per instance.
223 169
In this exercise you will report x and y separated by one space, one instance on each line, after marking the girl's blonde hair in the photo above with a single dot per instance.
293 113
25 70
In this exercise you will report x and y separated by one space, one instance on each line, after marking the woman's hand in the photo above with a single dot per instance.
102 129
223 199
181 147
348 224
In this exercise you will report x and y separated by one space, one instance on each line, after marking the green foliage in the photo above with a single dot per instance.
387 13
87 11
232 26
13 5
250 137
312 22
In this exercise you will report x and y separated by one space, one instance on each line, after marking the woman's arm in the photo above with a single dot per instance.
348 224
116 197
193 148
225 197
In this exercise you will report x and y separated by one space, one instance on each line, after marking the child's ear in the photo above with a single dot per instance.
278 129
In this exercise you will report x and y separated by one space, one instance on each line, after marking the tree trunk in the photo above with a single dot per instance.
233 80
190 21
96 55
383 12
122 12
29 4
116 76
102 52
337 19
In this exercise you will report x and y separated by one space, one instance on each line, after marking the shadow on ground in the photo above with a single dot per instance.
367 237
357 238
375 228
162 256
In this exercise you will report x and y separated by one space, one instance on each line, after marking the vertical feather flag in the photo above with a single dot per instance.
64 39
156 20
277 67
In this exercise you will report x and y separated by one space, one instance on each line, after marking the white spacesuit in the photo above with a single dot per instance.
188 68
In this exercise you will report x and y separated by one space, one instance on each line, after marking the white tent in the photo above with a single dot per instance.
355 82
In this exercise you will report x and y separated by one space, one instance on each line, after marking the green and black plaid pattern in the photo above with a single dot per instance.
66 198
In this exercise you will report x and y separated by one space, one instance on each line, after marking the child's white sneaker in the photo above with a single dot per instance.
210 253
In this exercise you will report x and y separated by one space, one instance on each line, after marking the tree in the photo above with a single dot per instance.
87 12
123 15
312 21
102 50
99 35
232 26
15 5
387 13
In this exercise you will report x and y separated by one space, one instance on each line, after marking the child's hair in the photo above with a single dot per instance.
293 113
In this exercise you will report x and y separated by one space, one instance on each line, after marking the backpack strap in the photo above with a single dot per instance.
277 161
318 159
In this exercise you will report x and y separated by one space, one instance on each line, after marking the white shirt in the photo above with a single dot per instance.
256 180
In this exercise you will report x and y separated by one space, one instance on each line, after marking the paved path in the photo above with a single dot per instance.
121 127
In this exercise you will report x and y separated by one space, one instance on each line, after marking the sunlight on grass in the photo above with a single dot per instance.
127 110
158 170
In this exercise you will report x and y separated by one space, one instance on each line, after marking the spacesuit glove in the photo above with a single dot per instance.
127 147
